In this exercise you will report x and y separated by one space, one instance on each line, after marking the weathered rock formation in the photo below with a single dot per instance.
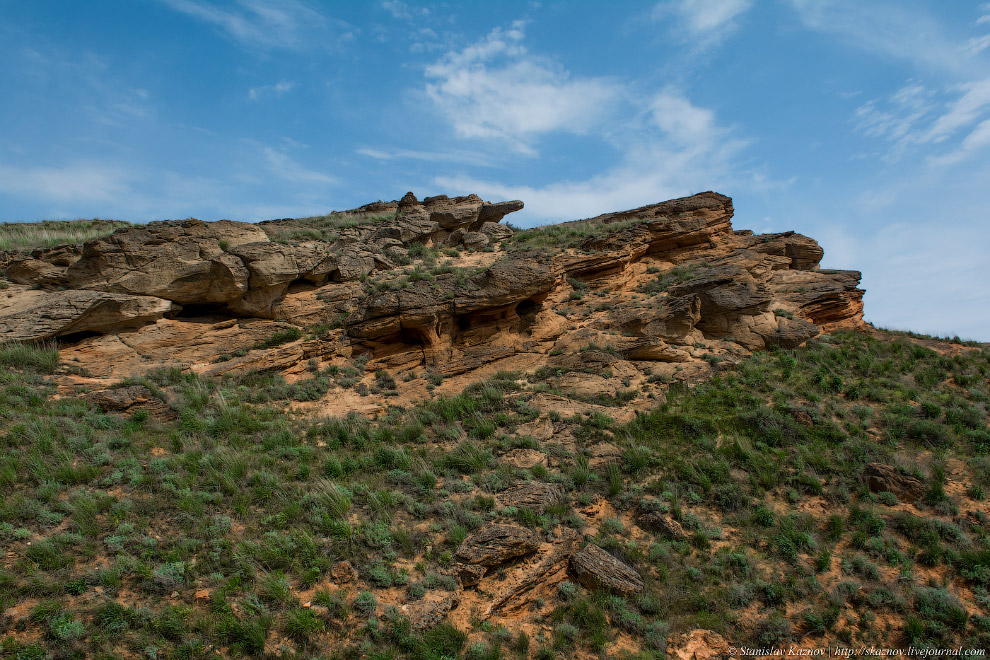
437 283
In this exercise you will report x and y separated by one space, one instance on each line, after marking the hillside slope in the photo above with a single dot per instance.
640 435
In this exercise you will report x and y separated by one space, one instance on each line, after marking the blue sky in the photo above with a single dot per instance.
863 124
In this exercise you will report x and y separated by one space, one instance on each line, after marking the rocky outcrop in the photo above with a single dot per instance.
234 267
496 544
597 569
664 283
448 214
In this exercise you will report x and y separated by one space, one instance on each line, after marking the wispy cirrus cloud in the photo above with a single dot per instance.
498 90
280 88
451 156
284 166
402 11
80 180
262 24
704 22
944 126
896 30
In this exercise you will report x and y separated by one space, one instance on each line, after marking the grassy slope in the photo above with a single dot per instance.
104 519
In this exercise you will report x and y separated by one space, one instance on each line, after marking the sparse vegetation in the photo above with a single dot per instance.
27 236
319 228
252 505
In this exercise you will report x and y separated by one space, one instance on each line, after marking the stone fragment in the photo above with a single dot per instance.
597 569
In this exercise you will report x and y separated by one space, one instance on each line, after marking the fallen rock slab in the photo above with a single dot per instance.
496 544
662 526
597 569
535 495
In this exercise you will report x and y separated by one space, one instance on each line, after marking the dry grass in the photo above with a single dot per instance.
27 236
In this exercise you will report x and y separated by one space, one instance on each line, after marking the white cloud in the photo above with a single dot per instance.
285 167
278 89
900 118
497 90
704 21
664 145
963 111
917 118
78 181
452 156
675 149
259 23
894 30
976 141
402 11
681 120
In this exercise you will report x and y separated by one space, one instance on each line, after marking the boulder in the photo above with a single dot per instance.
342 572
467 575
803 253
430 610
182 261
791 333
495 544
495 232
662 526
128 400
535 495
880 477
474 240
597 569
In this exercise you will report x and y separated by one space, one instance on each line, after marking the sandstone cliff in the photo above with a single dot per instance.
665 290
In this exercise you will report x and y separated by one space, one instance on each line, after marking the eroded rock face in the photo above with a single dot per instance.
232 266
664 283
34 314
